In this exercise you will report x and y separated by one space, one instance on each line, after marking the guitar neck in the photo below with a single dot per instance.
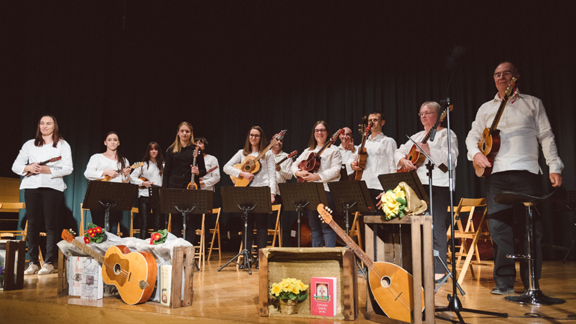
97 256
499 113
352 245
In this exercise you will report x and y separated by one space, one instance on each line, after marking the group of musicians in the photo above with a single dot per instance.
523 125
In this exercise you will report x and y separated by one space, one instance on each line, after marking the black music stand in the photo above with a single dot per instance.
184 201
107 196
391 181
302 196
351 196
247 199
154 195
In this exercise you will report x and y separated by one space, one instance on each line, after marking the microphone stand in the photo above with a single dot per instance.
454 304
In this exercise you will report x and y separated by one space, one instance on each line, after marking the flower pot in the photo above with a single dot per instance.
289 306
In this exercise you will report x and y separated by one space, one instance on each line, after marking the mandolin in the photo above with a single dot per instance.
192 185
489 143
132 167
251 164
312 163
390 285
133 273
44 163
287 157
362 154
414 155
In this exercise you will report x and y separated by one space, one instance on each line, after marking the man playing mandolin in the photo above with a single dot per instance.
380 150
522 126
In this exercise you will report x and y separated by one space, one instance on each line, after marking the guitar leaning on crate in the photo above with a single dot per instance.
251 164
414 155
133 273
362 154
489 144
390 285
44 163
132 167
312 163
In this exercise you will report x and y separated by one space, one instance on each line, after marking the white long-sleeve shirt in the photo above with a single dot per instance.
29 153
99 163
149 171
266 177
284 174
380 150
330 164
523 125
212 178
346 154
438 152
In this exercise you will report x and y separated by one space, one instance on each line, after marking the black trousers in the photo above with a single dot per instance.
43 206
98 216
501 219
441 201
147 218
321 230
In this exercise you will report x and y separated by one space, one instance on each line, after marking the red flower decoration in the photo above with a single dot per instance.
90 231
86 240
92 234
98 229
157 236
151 241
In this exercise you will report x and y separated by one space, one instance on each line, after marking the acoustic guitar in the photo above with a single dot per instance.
362 154
390 285
414 155
44 163
132 167
489 143
133 273
251 164
312 163
192 185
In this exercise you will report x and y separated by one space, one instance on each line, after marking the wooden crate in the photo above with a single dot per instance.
182 260
304 263
14 264
409 248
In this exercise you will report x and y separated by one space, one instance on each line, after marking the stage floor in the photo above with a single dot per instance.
231 296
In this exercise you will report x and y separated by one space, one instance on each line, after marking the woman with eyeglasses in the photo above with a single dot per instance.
438 150
329 171
255 143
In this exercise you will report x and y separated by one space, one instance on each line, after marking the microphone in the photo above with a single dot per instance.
457 53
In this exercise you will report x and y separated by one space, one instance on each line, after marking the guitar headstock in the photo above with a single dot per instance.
451 107
292 154
336 135
196 150
280 135
511 86
68 235
362 127
136 165
56 159
325 213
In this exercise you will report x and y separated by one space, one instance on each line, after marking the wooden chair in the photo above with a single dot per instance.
13 208
468 231
215 232
355 229
132 230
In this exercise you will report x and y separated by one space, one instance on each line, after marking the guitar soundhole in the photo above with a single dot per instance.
385 281
117 269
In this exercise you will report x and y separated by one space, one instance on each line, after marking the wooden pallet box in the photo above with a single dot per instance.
13 255
182 261
303 263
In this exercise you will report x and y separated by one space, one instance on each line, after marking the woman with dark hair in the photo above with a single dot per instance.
44 187
256 143
211 178
329 171
178 171
146 176
108 164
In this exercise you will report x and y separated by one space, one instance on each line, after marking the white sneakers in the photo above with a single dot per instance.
33 269
48 268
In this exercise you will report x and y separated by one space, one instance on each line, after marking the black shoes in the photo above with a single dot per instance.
502 290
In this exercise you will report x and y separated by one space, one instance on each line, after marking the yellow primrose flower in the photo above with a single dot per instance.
276 290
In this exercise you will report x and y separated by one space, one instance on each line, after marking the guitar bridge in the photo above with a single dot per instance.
143 284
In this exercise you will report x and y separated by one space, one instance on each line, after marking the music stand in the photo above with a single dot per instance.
391 180
351 196
184 201
154 196
247 199
302 196
107 196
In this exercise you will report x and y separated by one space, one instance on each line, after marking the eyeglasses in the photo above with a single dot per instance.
426 113
254 135
505 73
323 130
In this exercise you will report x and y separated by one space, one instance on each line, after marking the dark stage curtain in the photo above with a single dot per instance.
142 70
